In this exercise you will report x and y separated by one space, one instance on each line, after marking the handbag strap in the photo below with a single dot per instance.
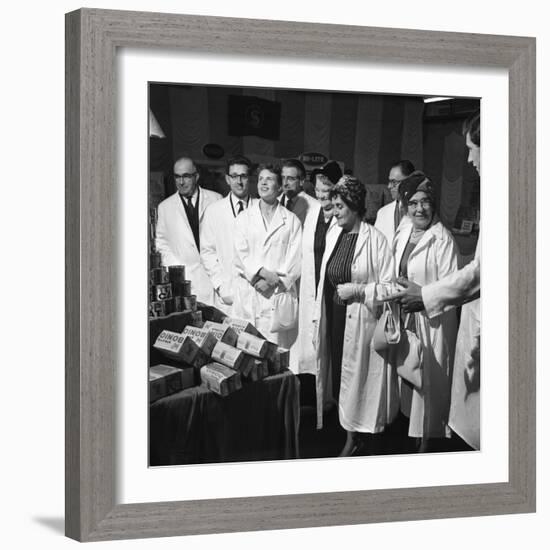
407 324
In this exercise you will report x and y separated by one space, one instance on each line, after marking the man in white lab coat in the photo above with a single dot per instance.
459 288
218 229
178 227
390 216
294 198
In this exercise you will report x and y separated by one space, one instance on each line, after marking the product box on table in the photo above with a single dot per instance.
165 380
259 370
222 333
241 325
180 348
220 379
279 361
202 337
230 357
253 345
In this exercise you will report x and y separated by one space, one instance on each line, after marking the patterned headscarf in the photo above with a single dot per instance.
352 192
417 181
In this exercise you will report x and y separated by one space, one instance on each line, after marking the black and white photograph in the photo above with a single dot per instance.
314 274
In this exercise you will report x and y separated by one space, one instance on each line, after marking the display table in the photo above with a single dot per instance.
258 422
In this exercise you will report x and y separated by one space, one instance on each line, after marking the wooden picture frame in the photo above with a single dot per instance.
92 39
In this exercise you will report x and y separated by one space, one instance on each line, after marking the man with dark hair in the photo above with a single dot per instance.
389 217
459 288
294 198
178 227
217 230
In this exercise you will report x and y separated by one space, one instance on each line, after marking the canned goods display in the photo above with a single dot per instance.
190 302
159 276
154 260
162 292
187 288
157 309
178 303
177 273
169 306
182 289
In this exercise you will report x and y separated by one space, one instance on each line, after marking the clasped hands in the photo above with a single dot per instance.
266 282
409 296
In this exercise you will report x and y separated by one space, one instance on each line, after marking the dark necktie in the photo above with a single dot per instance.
396 216
193 221
240 207
288 203
190 207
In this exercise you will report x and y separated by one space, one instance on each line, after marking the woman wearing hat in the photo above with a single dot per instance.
356 271
424 252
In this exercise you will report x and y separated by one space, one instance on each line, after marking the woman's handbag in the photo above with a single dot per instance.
388 328
284 311
409 355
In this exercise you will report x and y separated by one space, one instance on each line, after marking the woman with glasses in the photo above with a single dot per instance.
424 252
267 262
356 272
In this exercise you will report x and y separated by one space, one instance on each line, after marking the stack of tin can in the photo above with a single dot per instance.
169 291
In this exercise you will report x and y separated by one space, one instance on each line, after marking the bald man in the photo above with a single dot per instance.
178 227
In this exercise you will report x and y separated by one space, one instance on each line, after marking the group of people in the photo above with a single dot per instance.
312 276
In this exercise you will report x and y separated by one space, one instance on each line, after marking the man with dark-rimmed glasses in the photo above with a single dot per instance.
178 226
218 228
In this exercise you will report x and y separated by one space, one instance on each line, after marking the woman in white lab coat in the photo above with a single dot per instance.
424 252
267 263
356 271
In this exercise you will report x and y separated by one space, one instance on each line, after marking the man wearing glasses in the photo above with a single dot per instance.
178 227
389 217
293 175
217 231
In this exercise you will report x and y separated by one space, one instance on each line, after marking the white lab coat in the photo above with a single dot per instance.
434 257
176 244
385 222
462 287
307 353
277 249
217 236
369 398
302 204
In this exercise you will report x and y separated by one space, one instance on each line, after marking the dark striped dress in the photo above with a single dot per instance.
338 272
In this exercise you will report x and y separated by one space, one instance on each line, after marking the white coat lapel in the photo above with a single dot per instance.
426 239
279 219
399 243
203 203
362 239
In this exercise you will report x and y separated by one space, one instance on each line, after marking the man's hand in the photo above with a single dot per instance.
410 297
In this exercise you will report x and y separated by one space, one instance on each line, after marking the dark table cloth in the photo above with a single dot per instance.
258 422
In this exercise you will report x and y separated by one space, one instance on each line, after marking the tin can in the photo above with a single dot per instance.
186 288
176 273
162 292
190 302
159 276
154 260
169 306
157 309
178 303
